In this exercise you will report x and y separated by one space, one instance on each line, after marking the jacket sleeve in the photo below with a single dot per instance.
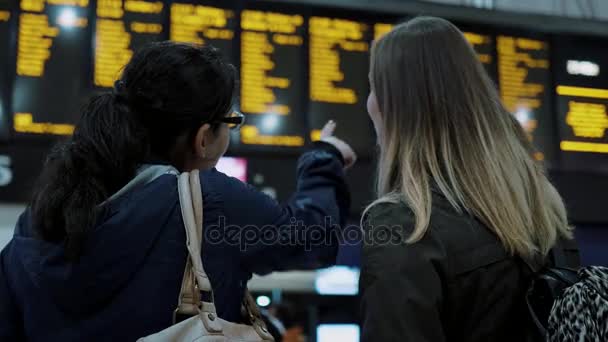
299 234
10 324
400 286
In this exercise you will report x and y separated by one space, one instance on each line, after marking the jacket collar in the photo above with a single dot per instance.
144 175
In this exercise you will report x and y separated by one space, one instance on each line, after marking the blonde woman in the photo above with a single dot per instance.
461 201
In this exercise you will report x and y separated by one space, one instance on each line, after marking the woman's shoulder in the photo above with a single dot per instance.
444 220
394 212
469 243
460 239
397 213
459 229
387 227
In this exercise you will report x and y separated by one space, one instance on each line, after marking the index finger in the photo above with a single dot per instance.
328 129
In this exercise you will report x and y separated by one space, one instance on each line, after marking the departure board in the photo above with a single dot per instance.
380 29
483 43
7 19
338 83
524 84
200 22
581 77
123 26
51 73
273 60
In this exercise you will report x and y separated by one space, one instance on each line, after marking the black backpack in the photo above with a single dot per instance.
548 284
567 304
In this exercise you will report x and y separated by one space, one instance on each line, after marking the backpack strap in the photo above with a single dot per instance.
565 254
558 256
550 277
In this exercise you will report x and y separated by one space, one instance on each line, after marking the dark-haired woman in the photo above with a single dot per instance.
100 251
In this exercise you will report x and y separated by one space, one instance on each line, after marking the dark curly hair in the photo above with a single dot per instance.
166 92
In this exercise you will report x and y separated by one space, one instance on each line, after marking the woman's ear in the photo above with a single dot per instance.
202 140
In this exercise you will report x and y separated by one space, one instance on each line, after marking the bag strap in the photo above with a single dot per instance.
189 299
559 257
194 227
195 278
563 255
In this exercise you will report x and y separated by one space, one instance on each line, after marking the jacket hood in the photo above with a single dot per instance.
114 250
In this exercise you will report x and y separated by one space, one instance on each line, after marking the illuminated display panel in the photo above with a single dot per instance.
123 26
203 22
7 18
52 53
484 45
581 92
380 29
338 84
273 61
524 84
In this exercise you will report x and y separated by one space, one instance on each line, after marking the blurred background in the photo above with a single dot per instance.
301 63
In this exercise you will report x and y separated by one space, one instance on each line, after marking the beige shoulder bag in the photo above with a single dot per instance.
205 325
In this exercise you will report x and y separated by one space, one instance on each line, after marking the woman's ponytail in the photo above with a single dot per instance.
79 174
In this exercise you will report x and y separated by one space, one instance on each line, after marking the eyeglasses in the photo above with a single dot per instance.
234 120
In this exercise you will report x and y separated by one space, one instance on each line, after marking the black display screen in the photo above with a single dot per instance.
273 85
581 92
7 19
121 27
338 83
483 40
53 50
200 22
524 83
484 44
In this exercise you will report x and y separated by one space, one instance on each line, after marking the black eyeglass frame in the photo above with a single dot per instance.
236 118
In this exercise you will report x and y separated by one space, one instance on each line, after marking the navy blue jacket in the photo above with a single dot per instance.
127 282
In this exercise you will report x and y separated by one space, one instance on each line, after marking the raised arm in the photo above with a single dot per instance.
299 234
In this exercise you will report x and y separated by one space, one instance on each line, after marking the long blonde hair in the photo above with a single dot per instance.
444 125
